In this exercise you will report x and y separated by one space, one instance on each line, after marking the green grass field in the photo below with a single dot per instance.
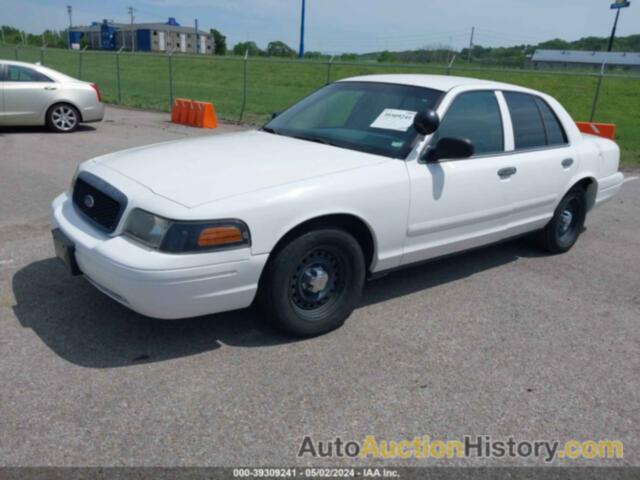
273 85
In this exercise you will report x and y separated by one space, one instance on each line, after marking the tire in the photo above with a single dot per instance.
312 285
562 232
63 118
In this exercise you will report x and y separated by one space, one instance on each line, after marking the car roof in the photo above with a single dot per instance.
41 68
20 64
443 83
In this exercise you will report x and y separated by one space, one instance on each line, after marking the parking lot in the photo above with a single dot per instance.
504 341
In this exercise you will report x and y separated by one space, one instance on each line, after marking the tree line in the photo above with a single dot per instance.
516 55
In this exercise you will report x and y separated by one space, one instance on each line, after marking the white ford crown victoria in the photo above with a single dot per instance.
363 176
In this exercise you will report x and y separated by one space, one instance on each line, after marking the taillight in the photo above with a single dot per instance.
95 87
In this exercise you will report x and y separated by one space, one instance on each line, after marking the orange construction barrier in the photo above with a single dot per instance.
192 114
176 109
209 118
184 112
195 114
606 130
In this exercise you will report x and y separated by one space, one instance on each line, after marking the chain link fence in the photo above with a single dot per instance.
251 89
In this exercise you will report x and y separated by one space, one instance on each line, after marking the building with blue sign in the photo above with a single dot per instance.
142 37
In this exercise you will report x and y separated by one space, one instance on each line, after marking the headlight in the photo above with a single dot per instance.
146 228
180 237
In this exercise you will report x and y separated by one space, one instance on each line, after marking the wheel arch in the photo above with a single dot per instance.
355 225
590 185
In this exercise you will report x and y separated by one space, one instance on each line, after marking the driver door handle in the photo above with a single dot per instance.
50 88
507 172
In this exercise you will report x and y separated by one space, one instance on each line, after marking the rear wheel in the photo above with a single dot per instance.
313 284
63 118
562 232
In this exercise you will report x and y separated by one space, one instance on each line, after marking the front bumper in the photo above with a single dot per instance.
156 284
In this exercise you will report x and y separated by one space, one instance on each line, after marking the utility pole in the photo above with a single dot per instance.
613 32
70 12
473 31
301 51
197 39
133 48
617 5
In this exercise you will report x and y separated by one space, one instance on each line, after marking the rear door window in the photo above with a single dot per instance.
15 73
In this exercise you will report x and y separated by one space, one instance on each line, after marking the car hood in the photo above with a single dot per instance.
202 170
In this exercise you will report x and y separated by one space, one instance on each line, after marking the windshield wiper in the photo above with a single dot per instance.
270 130
324 141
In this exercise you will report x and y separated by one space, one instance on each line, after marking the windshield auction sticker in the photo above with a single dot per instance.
392 119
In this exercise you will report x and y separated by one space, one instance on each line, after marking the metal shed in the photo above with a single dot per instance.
578 57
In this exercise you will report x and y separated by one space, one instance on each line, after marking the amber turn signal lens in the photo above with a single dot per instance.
219 236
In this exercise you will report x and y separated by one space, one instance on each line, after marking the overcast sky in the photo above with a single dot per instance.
349 25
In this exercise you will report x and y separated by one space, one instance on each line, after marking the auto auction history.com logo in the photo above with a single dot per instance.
470 446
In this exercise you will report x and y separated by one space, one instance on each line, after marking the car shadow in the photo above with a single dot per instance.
82 128
88 329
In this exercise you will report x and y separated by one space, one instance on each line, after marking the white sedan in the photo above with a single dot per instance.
364 176
36 95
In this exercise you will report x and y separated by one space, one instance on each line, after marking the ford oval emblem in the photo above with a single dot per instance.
89 201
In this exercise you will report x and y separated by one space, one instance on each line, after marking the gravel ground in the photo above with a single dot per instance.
504 341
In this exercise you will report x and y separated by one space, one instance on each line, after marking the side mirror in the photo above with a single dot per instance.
450 148
426 122
275 114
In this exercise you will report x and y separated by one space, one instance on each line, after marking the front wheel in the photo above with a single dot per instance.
63 118
562 232
313 284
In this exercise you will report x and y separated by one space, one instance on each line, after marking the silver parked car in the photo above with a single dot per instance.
36 95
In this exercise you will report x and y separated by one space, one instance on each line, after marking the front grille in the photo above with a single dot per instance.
98 201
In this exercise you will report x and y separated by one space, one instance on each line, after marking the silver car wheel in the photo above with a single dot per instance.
64 118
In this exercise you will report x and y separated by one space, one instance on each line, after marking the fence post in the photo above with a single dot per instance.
451 64
170 79
118 86
329 70
80 62
244 86
42 56
597 95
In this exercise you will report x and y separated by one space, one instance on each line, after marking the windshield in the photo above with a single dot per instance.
365 116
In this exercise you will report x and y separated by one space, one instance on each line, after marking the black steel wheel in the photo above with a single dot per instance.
562 232
312 284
